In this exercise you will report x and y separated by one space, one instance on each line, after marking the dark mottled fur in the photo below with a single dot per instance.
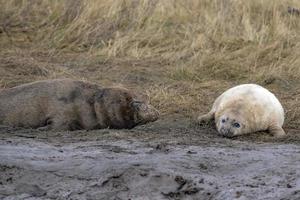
65 104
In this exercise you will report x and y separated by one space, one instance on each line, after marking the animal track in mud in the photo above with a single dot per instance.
185 187
8 173
170 186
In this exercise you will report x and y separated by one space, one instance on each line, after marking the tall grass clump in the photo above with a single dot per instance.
222 39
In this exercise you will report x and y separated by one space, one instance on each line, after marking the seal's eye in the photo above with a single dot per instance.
237 125
223 120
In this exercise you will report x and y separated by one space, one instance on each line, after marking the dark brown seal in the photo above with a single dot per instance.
66 104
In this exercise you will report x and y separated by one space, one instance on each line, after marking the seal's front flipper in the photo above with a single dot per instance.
45 128
206 119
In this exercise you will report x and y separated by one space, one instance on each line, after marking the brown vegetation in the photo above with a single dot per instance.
183 53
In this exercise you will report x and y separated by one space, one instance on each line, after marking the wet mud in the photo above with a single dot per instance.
172 159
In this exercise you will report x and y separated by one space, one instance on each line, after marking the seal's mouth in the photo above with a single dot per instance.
226 132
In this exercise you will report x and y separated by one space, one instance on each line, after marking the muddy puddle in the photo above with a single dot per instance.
149 162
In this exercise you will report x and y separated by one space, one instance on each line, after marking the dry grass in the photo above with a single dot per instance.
183 53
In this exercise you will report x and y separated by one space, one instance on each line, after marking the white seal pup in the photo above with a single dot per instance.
246 109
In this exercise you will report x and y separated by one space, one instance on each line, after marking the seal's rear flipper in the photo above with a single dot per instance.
277 131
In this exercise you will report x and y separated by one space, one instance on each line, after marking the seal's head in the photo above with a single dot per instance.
121 108
230 125
235 118
143 112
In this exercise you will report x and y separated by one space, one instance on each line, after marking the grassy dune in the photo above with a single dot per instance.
183 53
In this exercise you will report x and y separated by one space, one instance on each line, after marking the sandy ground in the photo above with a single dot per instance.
148 162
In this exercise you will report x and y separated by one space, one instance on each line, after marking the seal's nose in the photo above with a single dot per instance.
153 113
